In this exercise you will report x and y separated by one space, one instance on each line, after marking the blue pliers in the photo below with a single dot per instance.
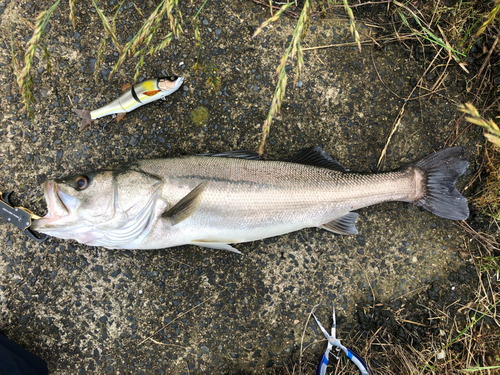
333 341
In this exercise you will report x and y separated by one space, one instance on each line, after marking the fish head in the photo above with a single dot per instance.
104 208
169 84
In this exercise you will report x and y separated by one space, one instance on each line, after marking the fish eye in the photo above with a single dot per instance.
172 78
82 182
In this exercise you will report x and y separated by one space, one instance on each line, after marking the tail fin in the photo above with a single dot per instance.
85 116
442 170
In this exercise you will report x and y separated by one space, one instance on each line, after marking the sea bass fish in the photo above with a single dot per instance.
133 97
216 200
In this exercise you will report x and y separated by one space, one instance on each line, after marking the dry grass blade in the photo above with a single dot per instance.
303 334
402 111
139 46
174 15
46 54
15 62
24 79
103 45
166 41
275 108
294 48
130 47
492 132
272 19
490 18
476 369
489 200
352 24
177 318
72 13
100 58
107 27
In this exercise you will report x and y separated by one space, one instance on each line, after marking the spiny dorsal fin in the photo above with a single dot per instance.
315 156
186 206
343 225
242 154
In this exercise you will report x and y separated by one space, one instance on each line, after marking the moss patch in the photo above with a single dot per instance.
200 116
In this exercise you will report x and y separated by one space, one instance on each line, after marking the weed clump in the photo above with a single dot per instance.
489 200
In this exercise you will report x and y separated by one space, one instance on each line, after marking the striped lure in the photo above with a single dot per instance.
133 97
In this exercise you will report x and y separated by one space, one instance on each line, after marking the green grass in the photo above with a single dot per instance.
489 263
426 34
476 369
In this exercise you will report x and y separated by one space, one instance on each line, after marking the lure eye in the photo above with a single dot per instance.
82 182
172 78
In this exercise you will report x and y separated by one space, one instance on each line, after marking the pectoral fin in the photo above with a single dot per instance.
151 93
343 225
186 206
119 116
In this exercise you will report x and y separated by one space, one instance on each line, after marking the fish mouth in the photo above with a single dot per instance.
59 205
178 83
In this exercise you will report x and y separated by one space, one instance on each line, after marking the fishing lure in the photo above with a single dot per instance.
133 97
333 341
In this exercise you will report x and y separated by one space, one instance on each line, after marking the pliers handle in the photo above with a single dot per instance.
334 342
20 217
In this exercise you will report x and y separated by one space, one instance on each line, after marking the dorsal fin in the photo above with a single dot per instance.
315 156
241 154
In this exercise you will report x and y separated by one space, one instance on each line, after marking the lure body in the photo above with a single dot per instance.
134 97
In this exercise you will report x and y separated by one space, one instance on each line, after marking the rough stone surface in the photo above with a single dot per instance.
191 310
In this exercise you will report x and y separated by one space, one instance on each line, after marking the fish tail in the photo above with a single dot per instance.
85 116
441 171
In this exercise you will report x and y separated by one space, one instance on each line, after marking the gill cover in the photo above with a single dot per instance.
115 209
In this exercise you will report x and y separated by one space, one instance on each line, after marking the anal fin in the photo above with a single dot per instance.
215 245
343 225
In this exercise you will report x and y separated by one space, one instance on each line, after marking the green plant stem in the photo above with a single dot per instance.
470 325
